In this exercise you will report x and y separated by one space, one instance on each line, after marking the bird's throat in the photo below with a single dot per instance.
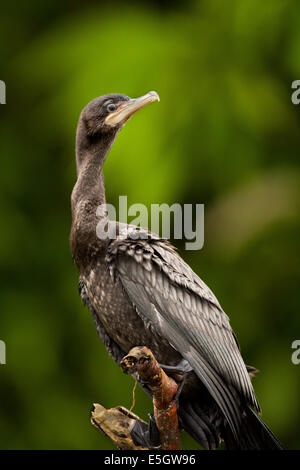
87 195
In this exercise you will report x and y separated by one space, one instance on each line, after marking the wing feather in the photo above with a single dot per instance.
182 309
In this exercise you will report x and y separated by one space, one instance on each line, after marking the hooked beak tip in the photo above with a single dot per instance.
129 108
155 95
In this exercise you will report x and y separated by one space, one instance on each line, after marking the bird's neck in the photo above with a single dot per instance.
89 187
88 194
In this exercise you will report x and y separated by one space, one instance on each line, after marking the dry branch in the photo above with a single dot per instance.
117 423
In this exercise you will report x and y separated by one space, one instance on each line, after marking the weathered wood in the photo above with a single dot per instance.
117 424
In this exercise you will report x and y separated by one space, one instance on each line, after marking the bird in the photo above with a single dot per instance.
141 292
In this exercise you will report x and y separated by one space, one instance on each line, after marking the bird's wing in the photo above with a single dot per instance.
179 306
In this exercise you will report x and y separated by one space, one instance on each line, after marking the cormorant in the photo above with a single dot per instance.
141 293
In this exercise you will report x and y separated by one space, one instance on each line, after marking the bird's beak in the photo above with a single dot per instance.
127 109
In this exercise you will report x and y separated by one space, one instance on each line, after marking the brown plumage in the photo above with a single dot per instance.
141 293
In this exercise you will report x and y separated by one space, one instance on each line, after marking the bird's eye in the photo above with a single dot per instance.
111 107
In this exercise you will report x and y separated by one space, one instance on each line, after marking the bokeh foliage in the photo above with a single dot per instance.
224 134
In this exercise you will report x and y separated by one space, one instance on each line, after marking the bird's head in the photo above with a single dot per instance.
107 114
102 118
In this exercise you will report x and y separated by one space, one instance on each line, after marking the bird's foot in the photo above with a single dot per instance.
183 367
179 390
146 435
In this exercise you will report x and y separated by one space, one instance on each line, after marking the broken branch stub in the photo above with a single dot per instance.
117 424
163 388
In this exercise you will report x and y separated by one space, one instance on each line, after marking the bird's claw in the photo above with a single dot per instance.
183 367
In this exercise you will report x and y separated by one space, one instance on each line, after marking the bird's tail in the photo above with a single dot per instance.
253 435
208 429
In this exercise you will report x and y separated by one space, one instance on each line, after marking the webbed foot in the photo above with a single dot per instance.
146 435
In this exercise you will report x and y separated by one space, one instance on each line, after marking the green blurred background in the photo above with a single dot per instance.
225 134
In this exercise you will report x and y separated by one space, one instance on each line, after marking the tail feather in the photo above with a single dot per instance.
208 429
195 422
254 435
202 422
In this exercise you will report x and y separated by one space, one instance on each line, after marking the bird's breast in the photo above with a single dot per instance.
118 315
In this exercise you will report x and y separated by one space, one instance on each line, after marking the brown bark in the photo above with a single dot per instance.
117 424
